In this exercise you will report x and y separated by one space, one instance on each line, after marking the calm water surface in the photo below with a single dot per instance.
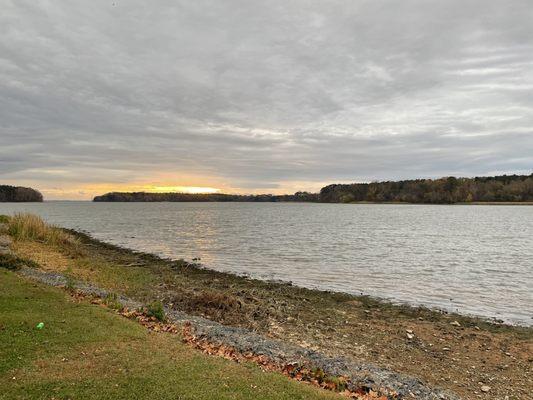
471 259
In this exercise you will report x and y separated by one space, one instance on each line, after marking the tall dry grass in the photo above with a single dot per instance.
23 226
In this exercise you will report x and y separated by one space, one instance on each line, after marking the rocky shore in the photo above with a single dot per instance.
374 345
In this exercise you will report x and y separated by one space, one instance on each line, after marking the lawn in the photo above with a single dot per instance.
86 351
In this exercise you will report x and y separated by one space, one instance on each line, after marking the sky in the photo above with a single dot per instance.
261 96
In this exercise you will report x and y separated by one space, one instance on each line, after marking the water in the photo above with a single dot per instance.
471 259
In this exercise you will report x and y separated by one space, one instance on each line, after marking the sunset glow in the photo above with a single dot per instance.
183 189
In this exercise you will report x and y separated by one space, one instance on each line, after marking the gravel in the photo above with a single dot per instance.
360 375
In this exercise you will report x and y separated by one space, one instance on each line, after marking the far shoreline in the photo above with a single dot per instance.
474 203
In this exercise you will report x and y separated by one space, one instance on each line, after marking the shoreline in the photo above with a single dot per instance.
386 302
447 350
473 203
374 300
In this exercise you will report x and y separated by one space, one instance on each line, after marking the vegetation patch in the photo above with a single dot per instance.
29 227
12 262
112 301
85 351
156 310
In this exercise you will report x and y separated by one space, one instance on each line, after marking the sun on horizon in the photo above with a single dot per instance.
183 189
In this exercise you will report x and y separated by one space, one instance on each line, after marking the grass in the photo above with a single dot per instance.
86 351
13 262
29 227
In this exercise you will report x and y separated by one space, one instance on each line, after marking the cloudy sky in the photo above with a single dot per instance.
261 96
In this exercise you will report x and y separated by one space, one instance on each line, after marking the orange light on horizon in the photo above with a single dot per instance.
183 189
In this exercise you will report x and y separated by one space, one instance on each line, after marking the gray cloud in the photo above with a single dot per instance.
256 95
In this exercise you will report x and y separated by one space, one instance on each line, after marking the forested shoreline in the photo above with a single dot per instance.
205 197
19 194
447 190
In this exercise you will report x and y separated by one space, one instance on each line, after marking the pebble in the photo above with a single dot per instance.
455 323
410 336
485 388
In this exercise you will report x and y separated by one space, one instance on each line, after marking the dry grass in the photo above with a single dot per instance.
29 227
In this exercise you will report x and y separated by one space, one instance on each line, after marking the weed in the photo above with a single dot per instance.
70 284
156 309
336 383
112 301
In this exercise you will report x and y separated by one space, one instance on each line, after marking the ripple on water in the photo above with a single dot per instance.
471 259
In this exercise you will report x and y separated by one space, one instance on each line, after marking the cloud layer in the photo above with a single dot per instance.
255 96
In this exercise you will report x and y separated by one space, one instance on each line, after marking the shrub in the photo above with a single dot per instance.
156 310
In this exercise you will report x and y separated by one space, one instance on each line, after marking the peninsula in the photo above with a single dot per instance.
19 194
447 190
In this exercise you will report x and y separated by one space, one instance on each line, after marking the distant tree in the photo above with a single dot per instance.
19 194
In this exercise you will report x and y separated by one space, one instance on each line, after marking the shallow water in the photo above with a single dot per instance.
471 259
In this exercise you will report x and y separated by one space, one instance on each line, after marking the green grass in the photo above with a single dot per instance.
86 351
155 309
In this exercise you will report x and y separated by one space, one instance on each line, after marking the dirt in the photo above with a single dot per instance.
358 380
460 354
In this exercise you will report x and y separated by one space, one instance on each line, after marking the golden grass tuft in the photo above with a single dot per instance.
30 227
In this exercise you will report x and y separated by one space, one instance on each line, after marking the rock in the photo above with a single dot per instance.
5 241
409 331
485 388
410 336
455 323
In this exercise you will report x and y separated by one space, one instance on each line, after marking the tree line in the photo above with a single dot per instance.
448 190
205 197
19 194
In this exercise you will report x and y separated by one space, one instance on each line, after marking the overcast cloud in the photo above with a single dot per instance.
261 96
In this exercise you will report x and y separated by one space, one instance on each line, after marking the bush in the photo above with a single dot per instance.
156 309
